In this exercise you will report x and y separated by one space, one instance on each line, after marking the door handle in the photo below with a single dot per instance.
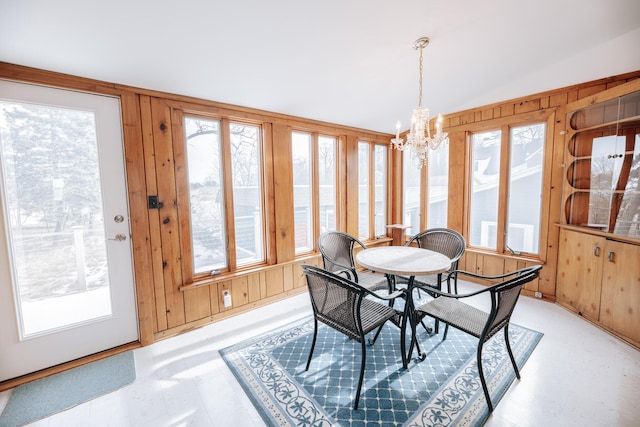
596 251
119 237
610 256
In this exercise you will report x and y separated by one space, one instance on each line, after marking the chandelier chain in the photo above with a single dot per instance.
420 80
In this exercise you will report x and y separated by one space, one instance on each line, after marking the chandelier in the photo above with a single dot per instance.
419 138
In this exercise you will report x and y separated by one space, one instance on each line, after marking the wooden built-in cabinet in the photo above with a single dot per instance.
620 297
598 273
579 273
599 279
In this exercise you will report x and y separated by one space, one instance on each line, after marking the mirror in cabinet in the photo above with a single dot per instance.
603 166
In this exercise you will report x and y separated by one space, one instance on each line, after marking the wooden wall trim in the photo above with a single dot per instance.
155 273
351 182
137 197
270 194
550 98
180 329
311 259
283 190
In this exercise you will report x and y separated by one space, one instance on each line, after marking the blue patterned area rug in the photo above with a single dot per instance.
442 390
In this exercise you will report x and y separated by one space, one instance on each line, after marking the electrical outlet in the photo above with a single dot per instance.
226 296
538 294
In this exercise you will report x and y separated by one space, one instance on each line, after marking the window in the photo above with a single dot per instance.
485 180
327 180
507 220
380 197
438 187
211 177
525 188
246 171
302 191
372 199
206 194
363 190
314 173
411 180
437 194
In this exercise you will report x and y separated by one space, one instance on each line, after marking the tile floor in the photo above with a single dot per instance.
578 375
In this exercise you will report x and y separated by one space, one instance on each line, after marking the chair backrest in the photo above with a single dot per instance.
336 248
335 300
443 240
504 297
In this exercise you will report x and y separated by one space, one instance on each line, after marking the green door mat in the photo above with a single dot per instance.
42 398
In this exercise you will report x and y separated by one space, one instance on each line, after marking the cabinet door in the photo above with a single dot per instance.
579 272
620 309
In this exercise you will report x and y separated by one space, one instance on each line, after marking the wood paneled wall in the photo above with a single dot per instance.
170 303
548 106
169 300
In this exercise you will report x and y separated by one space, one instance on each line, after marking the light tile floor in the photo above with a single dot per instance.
578 375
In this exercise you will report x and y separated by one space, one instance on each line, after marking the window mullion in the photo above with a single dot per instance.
424 197
341 182
503 189
372 190
228 194
315 192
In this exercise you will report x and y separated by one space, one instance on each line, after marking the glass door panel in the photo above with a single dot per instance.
628 221
55 221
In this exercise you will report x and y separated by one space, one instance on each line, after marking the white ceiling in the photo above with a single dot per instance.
342 61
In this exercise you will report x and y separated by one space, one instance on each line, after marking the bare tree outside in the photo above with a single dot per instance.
207 198
51 184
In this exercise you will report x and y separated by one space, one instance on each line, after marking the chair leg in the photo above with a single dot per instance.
513 360
446 330
426 328
313 343
372 341
391 285
362 364
482 380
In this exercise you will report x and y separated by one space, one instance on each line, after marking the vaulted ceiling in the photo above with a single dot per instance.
349 62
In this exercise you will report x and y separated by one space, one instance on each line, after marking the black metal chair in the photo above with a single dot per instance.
449 309
341 304
336 248
445 241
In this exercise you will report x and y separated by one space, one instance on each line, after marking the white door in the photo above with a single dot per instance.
66 274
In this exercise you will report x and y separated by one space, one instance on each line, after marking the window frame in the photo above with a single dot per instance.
371 235
314 152
423 183
183 194
546 117
311 161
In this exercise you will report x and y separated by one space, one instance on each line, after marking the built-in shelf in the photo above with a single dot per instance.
601 187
